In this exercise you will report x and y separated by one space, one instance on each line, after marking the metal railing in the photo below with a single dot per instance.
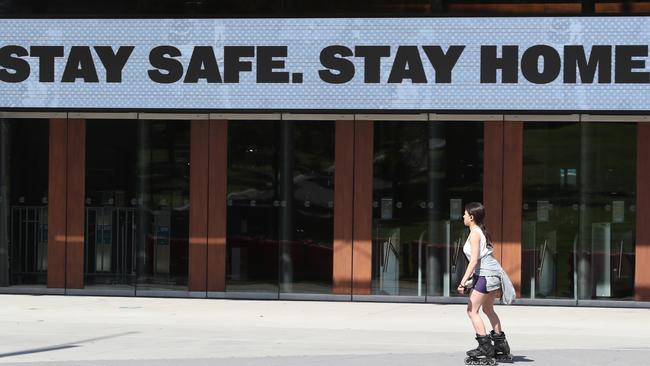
110 245
28 240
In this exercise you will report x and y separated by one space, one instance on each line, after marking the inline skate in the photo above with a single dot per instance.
501 347
483 354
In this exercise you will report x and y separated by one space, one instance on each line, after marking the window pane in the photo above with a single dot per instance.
280 206
137 202
310 270
252 237
111 203
607 217
24 166
424 172
579 210
551 196
164 180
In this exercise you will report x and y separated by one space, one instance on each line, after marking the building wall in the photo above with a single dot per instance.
198 261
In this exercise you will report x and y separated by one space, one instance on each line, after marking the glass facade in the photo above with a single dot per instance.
578 215
424 173
137 204
280 206
579 190
23 201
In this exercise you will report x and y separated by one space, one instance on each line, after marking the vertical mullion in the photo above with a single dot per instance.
343 207
642 247
57 199
363 190
75 206
217 207
199 166
512 200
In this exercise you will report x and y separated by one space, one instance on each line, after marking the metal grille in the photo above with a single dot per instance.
111 234
28 240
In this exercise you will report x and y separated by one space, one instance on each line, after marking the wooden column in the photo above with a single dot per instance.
513 155
76 203
362 235
66 203
217 208
343 207
642 257
493 181
198 243
56 209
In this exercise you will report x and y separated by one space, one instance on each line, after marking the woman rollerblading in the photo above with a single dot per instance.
487 277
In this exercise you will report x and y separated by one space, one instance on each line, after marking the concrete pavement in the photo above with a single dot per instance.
69 330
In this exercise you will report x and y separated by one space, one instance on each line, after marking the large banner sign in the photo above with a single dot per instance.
399 64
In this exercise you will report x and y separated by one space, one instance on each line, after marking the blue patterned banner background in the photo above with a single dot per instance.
305 39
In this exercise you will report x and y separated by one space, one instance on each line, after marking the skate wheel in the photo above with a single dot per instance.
480 361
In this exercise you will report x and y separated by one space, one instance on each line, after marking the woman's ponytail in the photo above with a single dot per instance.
477 211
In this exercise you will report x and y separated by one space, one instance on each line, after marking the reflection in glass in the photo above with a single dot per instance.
551 165
280 206
312 194
252 242
423 175
164 162
578 215
137 204
110 226
607 216
23 201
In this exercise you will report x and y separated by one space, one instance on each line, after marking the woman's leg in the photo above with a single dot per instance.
476 300
488 309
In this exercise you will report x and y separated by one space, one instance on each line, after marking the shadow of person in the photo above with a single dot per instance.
521 359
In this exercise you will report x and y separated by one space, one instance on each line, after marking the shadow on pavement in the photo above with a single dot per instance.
62 346
521 359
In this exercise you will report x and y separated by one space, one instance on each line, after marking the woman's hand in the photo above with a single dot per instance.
461 289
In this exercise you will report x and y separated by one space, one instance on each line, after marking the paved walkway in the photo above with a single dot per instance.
68 330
